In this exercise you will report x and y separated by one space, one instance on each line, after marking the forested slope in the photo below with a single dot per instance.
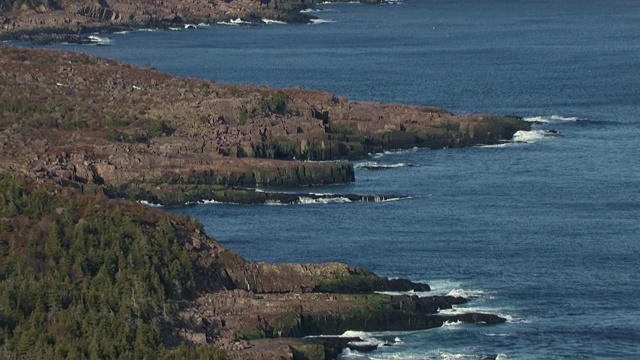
87 277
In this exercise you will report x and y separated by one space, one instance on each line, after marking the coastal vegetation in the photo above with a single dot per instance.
134 132
87 273
84 277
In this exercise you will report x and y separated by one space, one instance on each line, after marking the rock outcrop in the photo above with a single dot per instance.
172 140
70 121
243 301
39 20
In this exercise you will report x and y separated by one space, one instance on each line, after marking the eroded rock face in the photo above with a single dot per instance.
65 14
60 122
243 301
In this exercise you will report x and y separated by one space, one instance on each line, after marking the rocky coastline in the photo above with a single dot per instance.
44 22
173 140
96 131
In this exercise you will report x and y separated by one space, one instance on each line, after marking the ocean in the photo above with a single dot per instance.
544 231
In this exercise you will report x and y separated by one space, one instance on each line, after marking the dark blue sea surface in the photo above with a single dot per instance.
544 231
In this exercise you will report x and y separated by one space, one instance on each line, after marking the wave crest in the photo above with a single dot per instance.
550 118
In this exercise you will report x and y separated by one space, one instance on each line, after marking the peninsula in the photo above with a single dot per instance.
86 273
43 21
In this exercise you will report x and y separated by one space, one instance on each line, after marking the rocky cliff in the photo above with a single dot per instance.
76 128
59 20
137 133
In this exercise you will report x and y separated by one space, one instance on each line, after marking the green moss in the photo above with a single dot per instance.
255 332
307 351
274 103
286 323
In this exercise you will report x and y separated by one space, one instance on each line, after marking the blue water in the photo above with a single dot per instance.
545 231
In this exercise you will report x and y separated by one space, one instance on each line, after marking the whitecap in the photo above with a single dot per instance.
395 152
322 21
529 136
99 40
461 309
466 293
448 323
372 165
206 202
453 356
276 22
330 200
410 293
175 28
550 118
144 202
237 21
495 334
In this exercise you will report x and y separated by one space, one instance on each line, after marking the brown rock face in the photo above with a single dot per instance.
68 14
73 120
70 117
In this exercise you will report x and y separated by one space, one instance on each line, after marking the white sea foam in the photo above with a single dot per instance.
550 118
322 21
376 165
410 293
395 152
529 136
276 22
175 28
144 202
495 334
441 286
237 21
331 200
523 137
121 32
462 309
210 202
452 356
448 324
466 293
98 40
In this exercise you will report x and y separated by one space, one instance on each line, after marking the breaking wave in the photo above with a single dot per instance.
395 152
100 41
466 293
524 137
550 119
462 309
372 165
448 323
311 10
237 21
321 21
144 202
325 200
530 136
273 22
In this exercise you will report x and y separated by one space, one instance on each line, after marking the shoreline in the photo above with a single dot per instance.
161 143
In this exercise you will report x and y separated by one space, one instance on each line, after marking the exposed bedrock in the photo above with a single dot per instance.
245 301
174 140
